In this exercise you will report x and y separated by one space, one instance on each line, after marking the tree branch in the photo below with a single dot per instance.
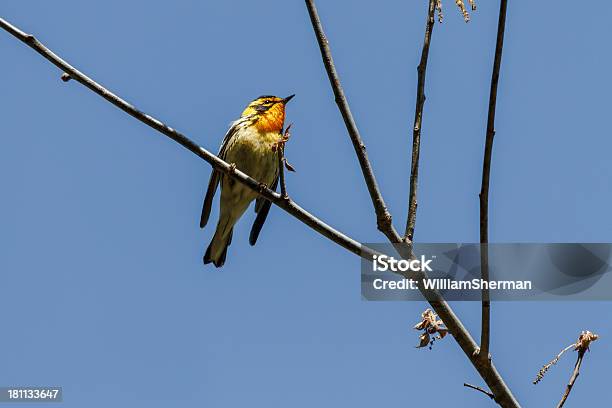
279 147
288 205
582 346
488 372
573 378
418 120
281 173
485 333
474 387
384 221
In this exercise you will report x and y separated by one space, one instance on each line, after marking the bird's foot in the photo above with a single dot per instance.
280 144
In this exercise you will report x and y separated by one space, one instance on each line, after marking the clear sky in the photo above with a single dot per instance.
103 290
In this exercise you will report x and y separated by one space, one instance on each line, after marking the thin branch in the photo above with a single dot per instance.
582 346
488 372
281 173
484 191
547 366
384 221
282 161
477 388
418 120
573 378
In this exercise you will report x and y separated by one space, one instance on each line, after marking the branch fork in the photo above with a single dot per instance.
582 345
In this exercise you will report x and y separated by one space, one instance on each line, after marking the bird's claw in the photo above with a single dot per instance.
280 144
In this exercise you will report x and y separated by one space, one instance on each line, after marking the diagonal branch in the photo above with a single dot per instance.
286 204
484 191
573 378
383 216
418 120
477 388
503 395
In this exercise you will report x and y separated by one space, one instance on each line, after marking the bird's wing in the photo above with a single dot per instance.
262 208
215 176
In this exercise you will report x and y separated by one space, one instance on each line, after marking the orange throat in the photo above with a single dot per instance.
272 120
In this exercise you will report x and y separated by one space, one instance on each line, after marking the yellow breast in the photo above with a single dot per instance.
251 151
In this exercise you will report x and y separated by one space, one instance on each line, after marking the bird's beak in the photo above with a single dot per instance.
287 99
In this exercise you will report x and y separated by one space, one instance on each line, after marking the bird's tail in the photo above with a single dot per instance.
217 250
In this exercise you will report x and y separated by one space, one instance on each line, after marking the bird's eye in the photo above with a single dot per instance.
268 101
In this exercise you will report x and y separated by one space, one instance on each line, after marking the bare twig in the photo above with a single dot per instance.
475 387
455 327
484 191
547 366
582 346
282 161
281 173
418 120
384 221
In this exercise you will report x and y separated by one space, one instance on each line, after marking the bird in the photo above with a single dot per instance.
247 145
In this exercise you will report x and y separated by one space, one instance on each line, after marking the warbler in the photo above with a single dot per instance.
248 145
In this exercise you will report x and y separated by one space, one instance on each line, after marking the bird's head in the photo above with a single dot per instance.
269 112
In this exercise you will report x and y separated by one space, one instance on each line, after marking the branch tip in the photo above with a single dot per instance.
418 119
477 388
485 331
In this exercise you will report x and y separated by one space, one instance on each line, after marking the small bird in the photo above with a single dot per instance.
248 145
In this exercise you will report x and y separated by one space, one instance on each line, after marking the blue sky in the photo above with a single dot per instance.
103 288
